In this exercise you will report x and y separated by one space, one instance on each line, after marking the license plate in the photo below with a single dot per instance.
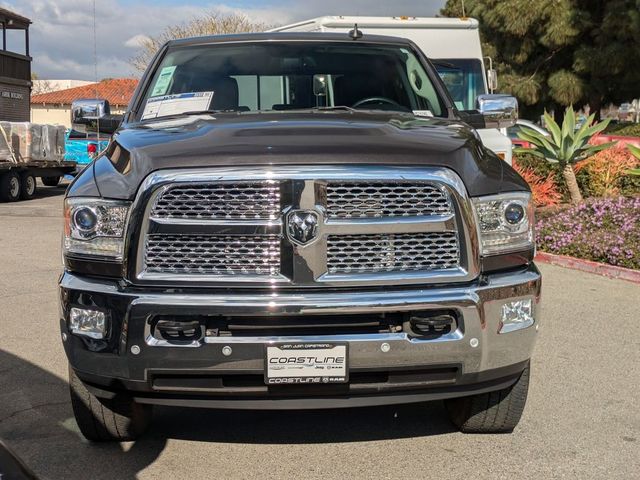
306 363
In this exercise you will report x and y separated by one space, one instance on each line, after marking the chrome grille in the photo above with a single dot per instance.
391 253
382 225
213 254
384 199
233 201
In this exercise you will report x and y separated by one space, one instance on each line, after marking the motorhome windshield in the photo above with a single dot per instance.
283 77
464 80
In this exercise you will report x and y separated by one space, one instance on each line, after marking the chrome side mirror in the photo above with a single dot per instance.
86 112
499 111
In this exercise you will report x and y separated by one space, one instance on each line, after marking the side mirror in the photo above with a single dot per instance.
93 115
499 111
492 80
87 111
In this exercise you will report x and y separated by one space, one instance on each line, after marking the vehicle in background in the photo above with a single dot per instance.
452 44
512 132
92 126
29 151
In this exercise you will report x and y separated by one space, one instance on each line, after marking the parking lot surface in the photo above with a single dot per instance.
582 419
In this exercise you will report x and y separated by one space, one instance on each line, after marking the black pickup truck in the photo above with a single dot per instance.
297 221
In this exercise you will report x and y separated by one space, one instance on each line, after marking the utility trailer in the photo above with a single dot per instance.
29 151
18 180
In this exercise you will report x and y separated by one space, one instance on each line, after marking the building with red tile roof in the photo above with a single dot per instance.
55 107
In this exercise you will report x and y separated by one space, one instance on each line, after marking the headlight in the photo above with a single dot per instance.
95 227
505 222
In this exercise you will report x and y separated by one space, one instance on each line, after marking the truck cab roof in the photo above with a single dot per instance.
289 37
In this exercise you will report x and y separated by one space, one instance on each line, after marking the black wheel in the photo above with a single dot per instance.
10 187
27 186
493 412
103 420
51 181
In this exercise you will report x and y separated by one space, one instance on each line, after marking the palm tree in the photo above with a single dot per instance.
565 146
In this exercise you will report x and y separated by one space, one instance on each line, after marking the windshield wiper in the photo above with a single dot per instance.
336 107
202 112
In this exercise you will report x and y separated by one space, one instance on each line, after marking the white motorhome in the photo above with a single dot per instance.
453 44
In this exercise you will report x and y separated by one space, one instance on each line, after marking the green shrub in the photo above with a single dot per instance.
624 129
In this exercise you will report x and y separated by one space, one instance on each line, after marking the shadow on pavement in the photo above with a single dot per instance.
45 192
36 421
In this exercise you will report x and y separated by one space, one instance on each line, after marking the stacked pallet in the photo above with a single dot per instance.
26 142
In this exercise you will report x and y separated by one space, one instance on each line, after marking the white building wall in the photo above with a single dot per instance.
58 114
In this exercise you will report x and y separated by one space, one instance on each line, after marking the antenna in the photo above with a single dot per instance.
95 65
464 15
355 34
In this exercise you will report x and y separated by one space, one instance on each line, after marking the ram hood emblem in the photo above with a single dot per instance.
302 226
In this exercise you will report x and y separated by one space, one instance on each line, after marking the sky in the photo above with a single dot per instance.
61 36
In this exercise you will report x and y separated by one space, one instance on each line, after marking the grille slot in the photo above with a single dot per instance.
213 254
393 252
232 201
383 199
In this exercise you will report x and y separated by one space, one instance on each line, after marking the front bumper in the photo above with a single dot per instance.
472 359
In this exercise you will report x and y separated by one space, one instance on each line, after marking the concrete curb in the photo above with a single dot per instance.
589 266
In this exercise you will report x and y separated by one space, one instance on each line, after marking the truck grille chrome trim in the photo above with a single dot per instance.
376 225
251 200
213 254
384 199
392 252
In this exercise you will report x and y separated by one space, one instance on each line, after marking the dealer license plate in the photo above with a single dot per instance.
306 363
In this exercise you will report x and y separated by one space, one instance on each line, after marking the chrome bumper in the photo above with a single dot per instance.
476 346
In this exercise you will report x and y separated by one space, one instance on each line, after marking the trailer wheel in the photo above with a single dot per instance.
27 186
10 187
51 181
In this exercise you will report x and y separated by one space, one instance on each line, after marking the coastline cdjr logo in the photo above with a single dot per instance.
311 360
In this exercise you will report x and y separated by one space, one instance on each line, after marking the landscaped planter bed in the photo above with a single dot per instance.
605 230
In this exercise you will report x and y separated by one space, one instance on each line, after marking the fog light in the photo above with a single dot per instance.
516 315
88 323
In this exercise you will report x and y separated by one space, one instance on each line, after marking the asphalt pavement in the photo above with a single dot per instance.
582 419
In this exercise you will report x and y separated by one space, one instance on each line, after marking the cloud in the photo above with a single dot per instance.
62 31
136 41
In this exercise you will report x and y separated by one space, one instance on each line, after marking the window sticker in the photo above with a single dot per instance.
157 107
423 113
163 82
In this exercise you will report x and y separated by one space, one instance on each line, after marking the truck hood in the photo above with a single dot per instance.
306 138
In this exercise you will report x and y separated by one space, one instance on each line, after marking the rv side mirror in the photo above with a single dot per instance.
499 111
492 80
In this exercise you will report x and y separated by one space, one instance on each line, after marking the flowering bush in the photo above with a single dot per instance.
606 169
604 230
543 188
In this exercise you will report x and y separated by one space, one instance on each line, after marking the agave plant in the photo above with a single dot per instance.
635 151
565 146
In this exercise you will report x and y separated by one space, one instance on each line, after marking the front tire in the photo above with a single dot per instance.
102 420
493 412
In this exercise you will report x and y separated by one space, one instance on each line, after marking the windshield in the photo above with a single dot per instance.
281 77
463 78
